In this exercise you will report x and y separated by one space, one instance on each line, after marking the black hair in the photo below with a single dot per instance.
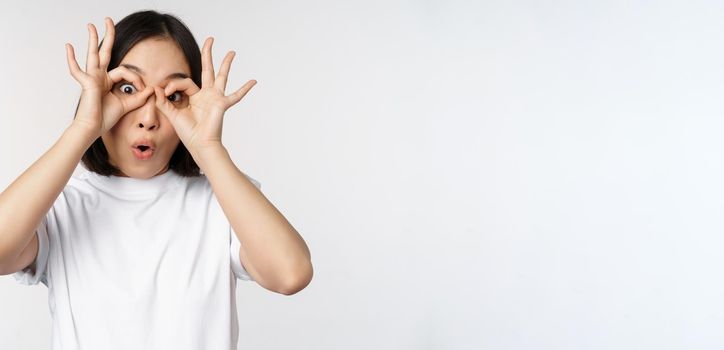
131 30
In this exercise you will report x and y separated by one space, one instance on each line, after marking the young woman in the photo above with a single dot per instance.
142 251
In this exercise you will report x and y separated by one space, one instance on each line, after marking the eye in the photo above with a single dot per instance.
176 97
127 88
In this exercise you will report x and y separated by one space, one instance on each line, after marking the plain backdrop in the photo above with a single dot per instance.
467 174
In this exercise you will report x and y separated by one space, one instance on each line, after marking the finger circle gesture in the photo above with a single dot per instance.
99 109
199 124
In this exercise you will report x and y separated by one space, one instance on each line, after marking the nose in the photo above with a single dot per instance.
148 116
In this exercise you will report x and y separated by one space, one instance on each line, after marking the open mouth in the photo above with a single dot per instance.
143 152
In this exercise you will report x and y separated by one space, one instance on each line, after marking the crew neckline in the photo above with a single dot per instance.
134 187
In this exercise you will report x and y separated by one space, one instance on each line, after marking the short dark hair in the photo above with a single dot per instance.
129 31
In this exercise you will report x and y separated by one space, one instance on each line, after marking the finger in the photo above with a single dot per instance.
220 82
207 65
92 59
186 86
163 104
107 44
239 94
72 63
122 73
137 100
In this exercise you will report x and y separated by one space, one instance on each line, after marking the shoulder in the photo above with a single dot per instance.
200 182
78 187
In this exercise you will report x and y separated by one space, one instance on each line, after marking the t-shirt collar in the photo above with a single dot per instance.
129 186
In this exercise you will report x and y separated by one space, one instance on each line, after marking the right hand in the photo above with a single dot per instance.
99 108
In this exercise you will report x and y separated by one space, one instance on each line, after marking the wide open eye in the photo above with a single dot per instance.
127 88
176 97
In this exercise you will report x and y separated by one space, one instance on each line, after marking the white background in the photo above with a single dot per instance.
467 175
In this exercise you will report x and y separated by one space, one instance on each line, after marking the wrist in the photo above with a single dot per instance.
84 131
203 154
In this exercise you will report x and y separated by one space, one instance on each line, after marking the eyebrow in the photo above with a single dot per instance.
170 76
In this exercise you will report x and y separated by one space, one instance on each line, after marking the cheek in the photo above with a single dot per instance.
117 134
115 130
172 141
124 120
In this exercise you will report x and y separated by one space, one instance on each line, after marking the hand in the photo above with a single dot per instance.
99 108
198 123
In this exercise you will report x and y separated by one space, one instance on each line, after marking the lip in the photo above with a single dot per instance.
147 154
147 142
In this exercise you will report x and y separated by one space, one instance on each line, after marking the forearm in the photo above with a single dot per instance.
274 248
27 199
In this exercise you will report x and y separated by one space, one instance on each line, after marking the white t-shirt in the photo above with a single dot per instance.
139 264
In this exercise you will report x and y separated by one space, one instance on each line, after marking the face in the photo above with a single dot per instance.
157 62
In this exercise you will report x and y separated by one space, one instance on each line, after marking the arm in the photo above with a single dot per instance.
272 251
25 201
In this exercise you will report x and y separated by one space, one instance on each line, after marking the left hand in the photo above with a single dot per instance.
198 124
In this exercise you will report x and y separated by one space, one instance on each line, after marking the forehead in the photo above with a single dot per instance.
157 58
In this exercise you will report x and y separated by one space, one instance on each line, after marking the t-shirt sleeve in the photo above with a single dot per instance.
36 272
236 265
